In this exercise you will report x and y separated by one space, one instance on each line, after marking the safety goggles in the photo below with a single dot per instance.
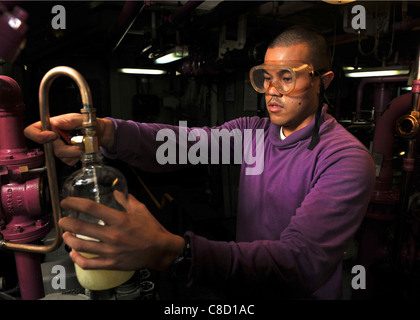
285 76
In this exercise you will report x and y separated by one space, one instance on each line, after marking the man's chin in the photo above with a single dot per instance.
276 119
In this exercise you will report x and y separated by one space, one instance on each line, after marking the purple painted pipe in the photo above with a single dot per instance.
383 141
381 94
30 275
20 190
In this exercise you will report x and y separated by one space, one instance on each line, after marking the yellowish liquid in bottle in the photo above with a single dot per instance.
100 279
99 183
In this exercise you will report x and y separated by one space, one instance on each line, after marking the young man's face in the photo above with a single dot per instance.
295 110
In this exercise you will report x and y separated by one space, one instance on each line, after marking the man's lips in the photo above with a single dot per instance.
274 107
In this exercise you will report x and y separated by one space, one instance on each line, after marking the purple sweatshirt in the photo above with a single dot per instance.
295 218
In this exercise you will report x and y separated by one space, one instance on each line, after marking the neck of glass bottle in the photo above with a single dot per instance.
90 159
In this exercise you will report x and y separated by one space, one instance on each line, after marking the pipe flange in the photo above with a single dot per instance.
407 126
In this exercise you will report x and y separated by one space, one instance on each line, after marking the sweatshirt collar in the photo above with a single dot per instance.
300 135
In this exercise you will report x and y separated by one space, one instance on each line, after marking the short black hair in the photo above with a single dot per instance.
319 50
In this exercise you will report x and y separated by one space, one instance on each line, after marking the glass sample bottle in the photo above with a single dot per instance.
99 183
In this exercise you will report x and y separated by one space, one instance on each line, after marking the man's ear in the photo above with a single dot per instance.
326 78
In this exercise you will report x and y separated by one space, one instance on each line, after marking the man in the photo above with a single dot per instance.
295 218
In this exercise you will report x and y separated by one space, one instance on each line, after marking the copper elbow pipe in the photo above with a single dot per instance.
44 111
408 126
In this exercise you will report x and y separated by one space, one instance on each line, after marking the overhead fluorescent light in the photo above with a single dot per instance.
351 72
172 55
142 71
385 73
146 49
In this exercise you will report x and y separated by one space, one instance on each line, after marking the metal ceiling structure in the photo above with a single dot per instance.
126 29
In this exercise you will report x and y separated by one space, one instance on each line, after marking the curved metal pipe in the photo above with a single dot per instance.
408 166
383 140
89 122
366 81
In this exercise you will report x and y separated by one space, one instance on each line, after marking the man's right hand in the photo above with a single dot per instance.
69 154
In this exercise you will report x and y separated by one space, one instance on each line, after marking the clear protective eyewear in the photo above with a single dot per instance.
285 76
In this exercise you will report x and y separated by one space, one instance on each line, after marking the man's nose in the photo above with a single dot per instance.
272 90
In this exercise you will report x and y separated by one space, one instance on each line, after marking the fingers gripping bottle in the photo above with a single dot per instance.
99 183
94 181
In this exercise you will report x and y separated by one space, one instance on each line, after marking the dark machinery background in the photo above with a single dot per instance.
210 86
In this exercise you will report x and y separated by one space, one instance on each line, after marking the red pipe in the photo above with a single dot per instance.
11 117
373 80
29 273
383 141
20 200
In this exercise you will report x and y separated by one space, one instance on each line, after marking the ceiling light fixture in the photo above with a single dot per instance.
142 71
172 55
351 72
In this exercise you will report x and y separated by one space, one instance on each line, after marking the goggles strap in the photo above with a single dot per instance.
315 132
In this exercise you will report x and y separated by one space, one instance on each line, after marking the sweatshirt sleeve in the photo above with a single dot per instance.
309 250
158 147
